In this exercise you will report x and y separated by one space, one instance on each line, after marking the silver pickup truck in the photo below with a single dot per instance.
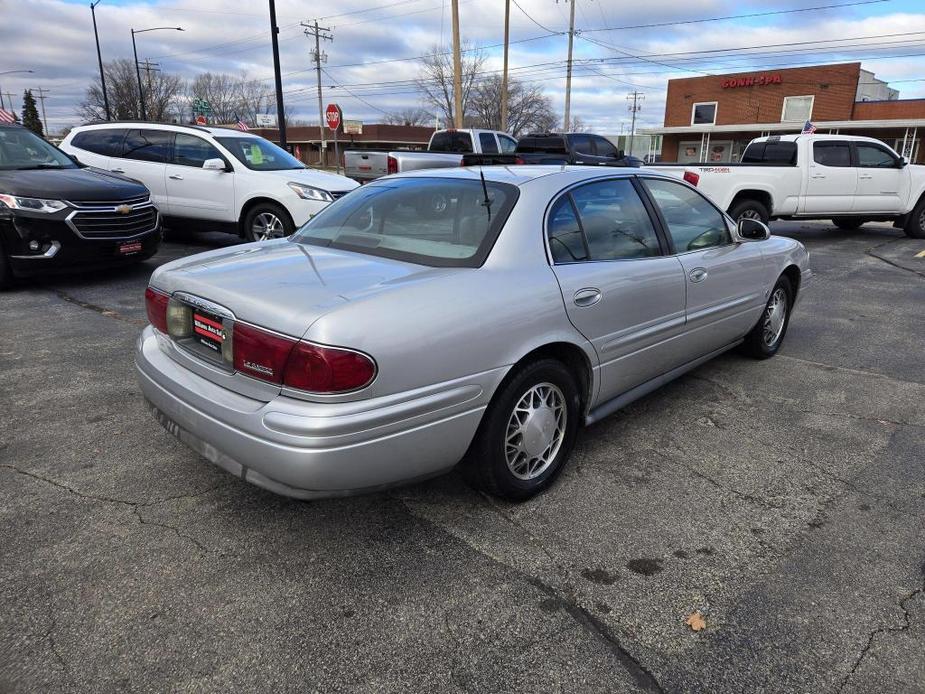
446 148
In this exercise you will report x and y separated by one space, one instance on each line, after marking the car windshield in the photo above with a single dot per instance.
259 154
444 222
22 149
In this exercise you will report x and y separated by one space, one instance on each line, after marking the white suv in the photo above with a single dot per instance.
240 181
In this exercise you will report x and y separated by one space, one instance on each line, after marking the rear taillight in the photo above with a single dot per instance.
392 166
327 369
156 306
692 178
259 353
300 365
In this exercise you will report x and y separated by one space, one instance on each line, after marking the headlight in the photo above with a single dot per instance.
309 193
32 204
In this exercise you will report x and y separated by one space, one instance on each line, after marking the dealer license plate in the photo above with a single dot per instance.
208 330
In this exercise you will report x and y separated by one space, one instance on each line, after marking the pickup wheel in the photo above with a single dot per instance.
763 341
749 209
915 225
267 220
848 223
527 432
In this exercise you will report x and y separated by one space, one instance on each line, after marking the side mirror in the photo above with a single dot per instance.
77 161
753 230
214 164
902 163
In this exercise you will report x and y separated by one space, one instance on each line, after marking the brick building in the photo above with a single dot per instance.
713 118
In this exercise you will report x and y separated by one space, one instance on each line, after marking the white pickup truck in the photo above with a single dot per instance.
446 148
850 180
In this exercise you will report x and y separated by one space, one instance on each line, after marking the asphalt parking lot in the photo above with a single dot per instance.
784 500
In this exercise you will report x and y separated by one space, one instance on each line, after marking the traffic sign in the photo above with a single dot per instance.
200 119
332 115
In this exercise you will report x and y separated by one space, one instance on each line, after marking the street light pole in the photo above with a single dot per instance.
99 57
141 94
10 72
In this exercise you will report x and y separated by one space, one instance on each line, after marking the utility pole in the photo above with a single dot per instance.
280 113
634 108
568 65
42 93
99 57
457 70
319 33
507 34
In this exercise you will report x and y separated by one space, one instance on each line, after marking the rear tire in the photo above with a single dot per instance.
915 225
848 223
749 209
527 432
267 220
763 341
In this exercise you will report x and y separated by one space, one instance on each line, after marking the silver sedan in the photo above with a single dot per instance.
473 317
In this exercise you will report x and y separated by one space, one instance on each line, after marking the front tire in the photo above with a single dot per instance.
765 339
267 221
915 225
527 432
847 223
749 209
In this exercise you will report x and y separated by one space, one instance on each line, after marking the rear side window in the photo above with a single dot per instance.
148 145
774 153
107 142
487 141
553 144
451 141
566 242
832 153
693 223
874 157
190 150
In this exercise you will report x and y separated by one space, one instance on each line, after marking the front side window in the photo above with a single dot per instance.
605 220
874 157
107 142
508 144
581 144
189 150
258 154
442 222
832 153
704 114
487 141
21 149
693 223
148 145
604 147
797 109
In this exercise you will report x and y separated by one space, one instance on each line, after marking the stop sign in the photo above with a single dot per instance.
200 119
332 116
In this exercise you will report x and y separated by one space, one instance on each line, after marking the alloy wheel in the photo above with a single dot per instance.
750 214
775 316
267 226
535 431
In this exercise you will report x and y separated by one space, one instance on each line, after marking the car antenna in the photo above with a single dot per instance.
487 202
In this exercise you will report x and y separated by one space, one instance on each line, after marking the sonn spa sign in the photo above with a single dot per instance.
759 81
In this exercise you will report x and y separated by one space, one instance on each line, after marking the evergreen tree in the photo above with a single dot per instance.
30 114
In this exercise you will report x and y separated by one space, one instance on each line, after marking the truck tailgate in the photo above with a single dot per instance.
365 166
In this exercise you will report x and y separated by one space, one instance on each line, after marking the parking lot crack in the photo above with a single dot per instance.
493 505
869 642
103 311
183 536
49 635
871 252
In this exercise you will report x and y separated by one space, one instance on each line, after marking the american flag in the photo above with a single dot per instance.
241 125
808 128
6 116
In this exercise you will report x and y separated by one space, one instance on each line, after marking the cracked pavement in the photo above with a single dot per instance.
784 500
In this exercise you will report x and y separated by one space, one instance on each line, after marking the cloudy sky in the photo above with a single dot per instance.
372 60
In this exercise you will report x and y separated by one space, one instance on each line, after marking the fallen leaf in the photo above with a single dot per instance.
696 621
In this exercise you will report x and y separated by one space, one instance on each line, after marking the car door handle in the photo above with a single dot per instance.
587 296
698 274
176 177
865 178
118 170
818 176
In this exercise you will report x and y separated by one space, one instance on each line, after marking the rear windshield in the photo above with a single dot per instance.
554 144
775 153
440 222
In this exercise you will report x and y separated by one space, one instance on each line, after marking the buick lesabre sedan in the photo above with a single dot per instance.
452 317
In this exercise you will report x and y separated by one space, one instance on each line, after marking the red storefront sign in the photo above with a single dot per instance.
760 81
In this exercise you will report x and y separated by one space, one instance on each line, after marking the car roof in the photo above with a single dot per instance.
793 137
522 174
210 130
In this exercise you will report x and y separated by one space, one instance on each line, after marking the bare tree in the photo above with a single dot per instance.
435 78
162 91
410 116
577 126
229 96
529 109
